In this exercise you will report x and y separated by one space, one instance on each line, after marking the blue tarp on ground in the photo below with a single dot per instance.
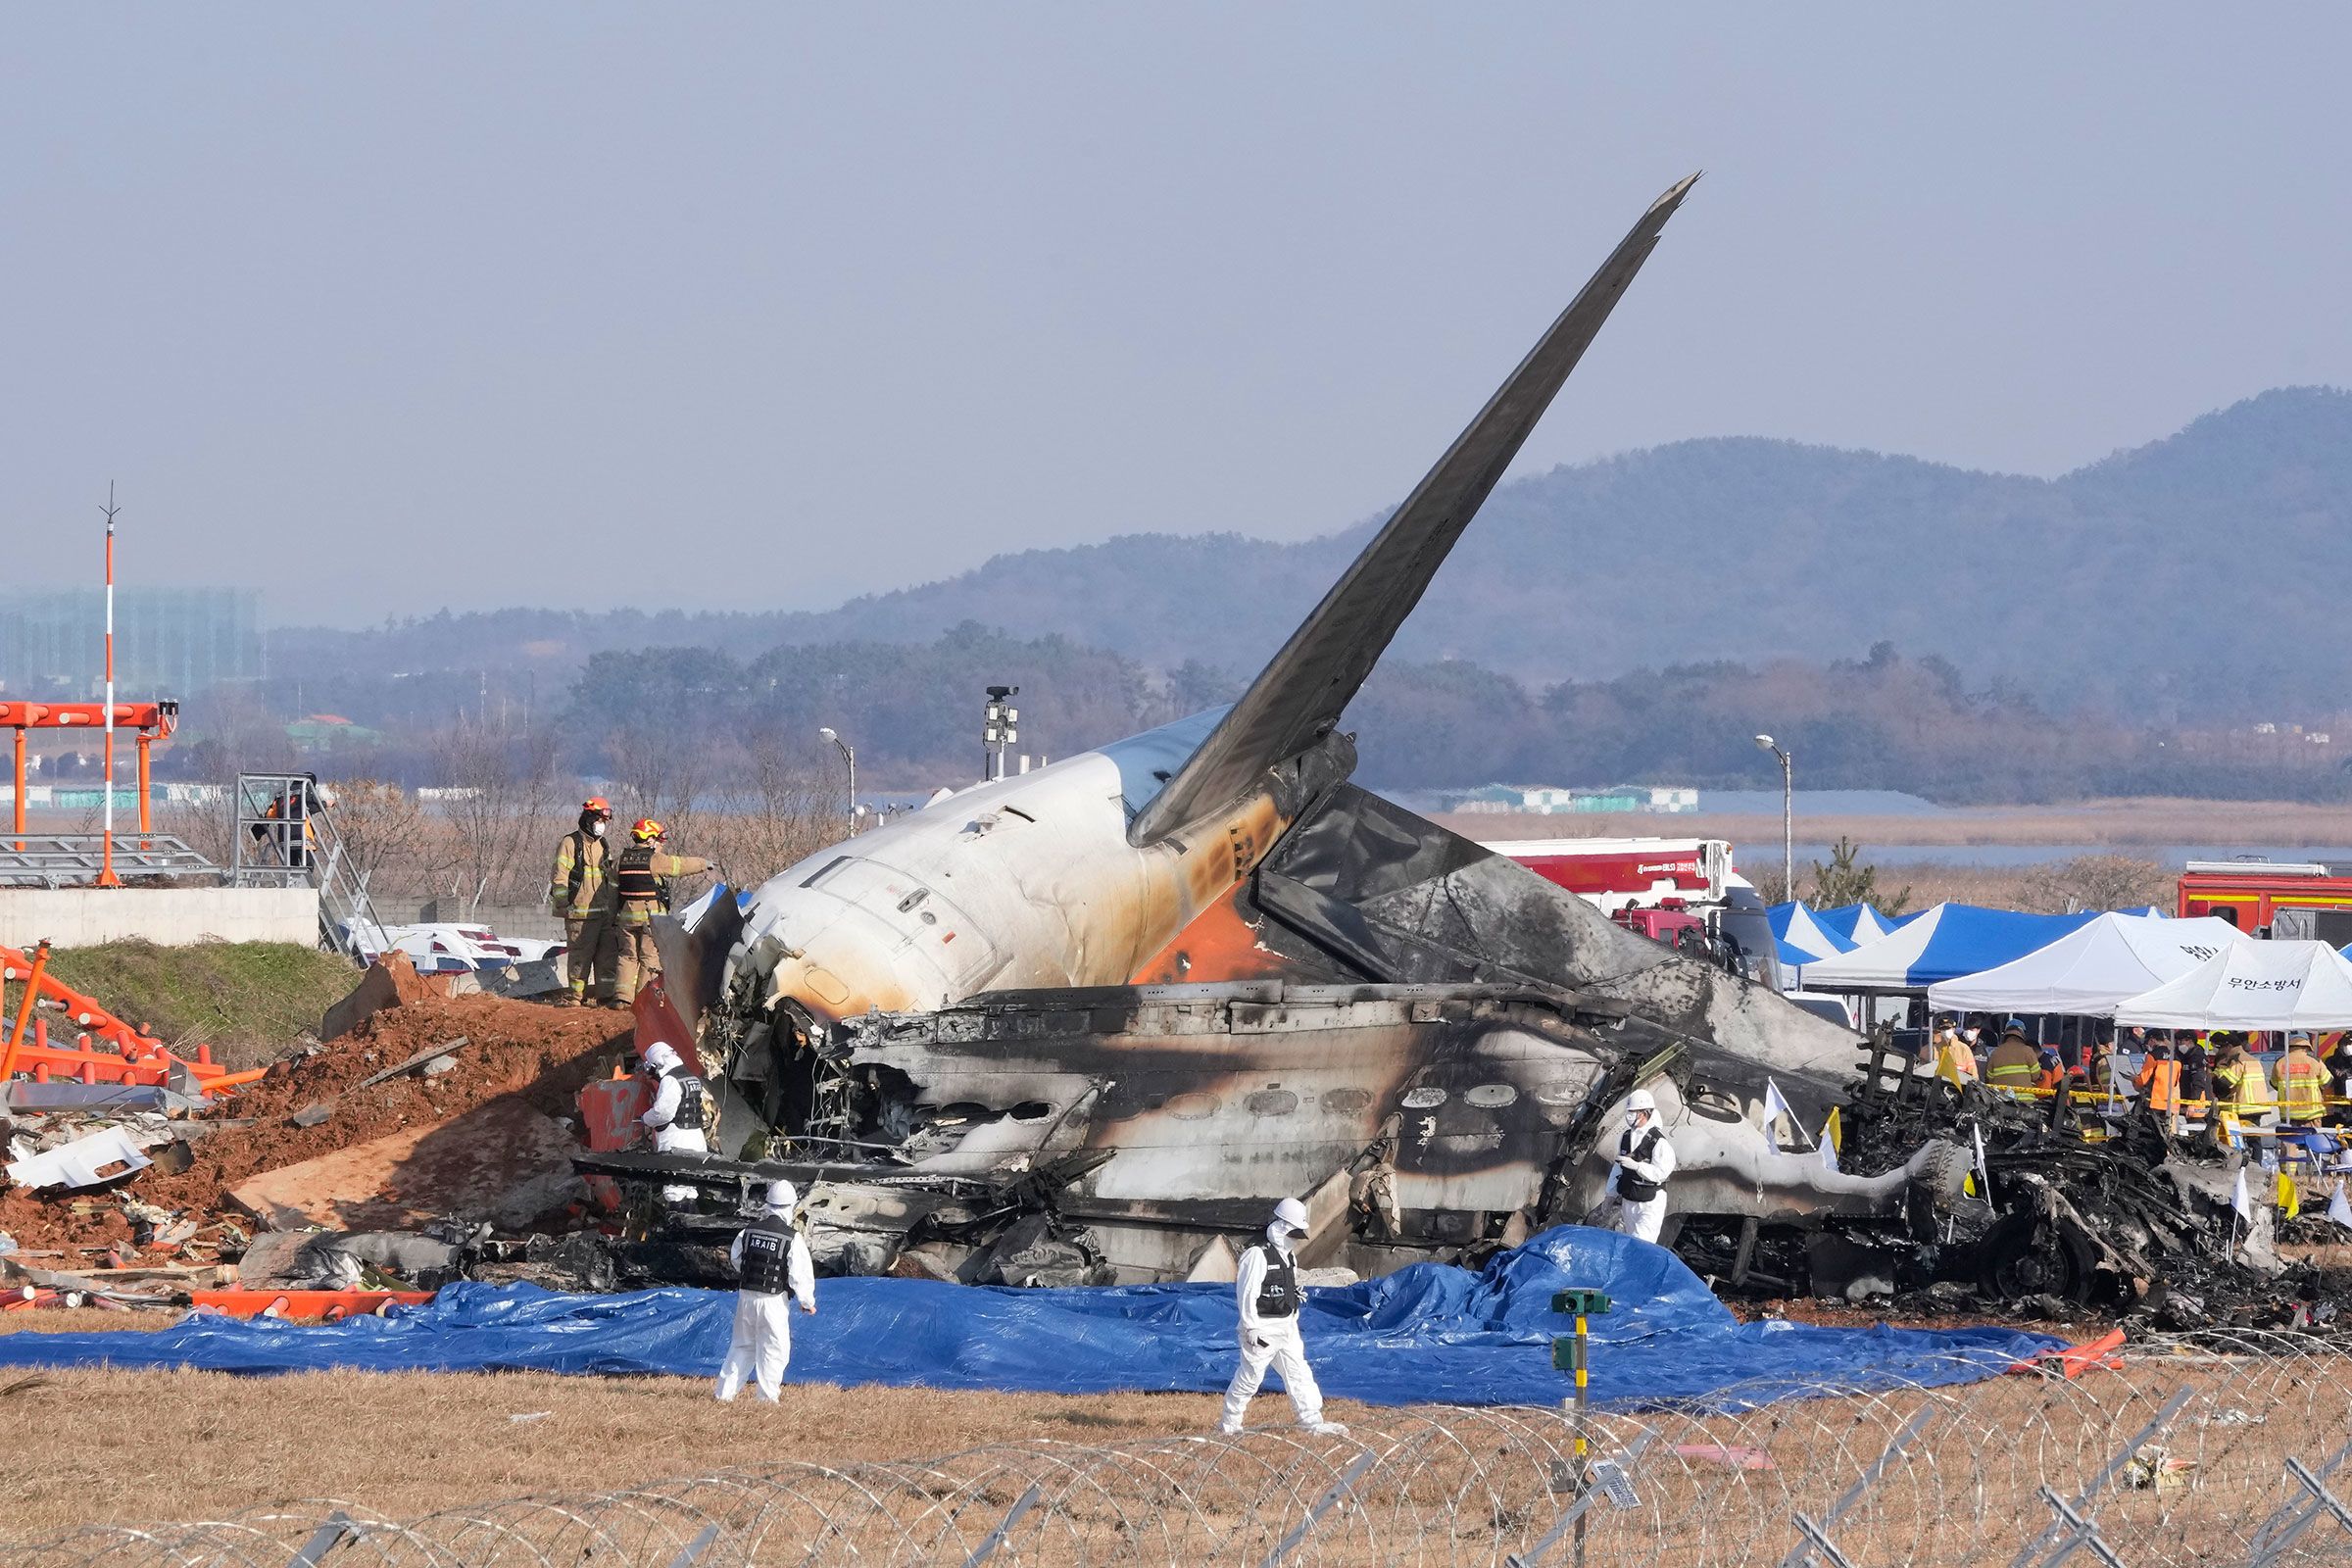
1943 943
1426 1332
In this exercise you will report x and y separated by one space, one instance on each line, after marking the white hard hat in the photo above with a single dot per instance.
1291 1215
782 1197
1641 1100
662 1055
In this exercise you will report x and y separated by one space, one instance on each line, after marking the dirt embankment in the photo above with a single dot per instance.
251 1002
521 1050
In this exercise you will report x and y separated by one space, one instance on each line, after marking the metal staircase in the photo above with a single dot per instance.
284 836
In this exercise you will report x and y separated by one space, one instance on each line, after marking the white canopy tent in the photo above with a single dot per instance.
2092 969
2252 984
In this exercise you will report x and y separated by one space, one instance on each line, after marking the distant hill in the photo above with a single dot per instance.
2202 576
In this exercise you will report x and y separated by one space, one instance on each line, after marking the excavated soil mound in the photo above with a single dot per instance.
531 1053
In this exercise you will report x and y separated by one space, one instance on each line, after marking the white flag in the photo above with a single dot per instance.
1828 1151
2339 1208
1984 1176
1776 1105
2241 1199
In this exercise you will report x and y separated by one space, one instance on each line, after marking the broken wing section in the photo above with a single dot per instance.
1300 694
1366 885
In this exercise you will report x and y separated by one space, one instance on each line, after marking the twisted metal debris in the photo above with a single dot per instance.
2179 1453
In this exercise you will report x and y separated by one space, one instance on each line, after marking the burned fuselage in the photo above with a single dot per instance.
1417 1121
1091 1020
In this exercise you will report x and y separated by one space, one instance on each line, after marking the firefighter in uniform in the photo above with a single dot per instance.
581 896
1638 1173
2302 1082
2016 1062
679 1118
1266 1290
774 1263
641 877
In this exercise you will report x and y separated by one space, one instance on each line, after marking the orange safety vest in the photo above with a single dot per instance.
2162 1081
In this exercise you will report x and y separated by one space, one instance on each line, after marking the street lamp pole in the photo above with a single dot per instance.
999 730
1787 816
849 754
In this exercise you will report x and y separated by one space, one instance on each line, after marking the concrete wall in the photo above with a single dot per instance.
82 918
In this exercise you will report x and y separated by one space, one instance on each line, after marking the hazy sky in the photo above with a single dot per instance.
760 307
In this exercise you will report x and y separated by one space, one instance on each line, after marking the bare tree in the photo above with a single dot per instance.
2095 882
1770 885
661 776
790 806
501 806
389 839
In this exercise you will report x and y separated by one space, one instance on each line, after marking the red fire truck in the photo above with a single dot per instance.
1625 873
2281 899
1681 892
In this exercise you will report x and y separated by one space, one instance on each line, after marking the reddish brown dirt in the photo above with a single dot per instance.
523 1049
1838 1314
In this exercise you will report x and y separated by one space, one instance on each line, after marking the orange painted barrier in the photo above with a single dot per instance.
131 1055
2076 1360
328 1306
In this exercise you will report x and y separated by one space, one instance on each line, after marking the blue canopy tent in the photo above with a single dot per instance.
1801 937
1941 943
1858 923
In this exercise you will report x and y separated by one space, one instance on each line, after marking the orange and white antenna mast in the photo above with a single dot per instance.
106 864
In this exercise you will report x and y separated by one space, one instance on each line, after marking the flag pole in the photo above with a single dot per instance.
106 866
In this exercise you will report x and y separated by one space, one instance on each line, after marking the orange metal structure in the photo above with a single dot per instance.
153 721
330 1306
106 1050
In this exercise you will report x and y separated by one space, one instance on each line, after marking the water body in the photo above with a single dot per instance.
2172 856
1819 803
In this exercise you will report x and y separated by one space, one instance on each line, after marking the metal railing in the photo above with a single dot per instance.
282 835
2220 1450
73 860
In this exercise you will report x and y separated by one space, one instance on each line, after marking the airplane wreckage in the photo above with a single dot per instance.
1085 1024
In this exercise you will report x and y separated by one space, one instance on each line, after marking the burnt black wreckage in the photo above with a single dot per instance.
1087 1024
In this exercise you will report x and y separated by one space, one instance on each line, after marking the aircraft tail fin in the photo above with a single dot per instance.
1300 694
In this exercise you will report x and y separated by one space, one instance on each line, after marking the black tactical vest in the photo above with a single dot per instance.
1278 1291
1630 1186
689 1115
767 1255
633 877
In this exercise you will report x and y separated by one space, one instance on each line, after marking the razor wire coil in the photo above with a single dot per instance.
1714 1483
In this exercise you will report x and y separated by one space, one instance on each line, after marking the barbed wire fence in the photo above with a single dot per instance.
2222 1450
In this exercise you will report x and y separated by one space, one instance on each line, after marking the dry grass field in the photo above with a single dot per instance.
1453 1486
148 1446
2121 825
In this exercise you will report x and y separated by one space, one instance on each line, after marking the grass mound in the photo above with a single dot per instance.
249 1000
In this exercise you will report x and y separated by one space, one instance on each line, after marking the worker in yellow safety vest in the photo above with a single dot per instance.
2234 1077
2302 1081
580 892
641 878
2016 1062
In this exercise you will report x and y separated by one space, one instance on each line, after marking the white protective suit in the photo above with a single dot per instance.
762 1346
1644 1219
1269 1342
669 1140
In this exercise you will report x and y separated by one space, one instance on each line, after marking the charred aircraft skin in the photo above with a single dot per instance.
1093 1017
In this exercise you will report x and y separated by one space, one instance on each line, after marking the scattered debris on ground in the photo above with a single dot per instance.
378 1156
2069 1219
